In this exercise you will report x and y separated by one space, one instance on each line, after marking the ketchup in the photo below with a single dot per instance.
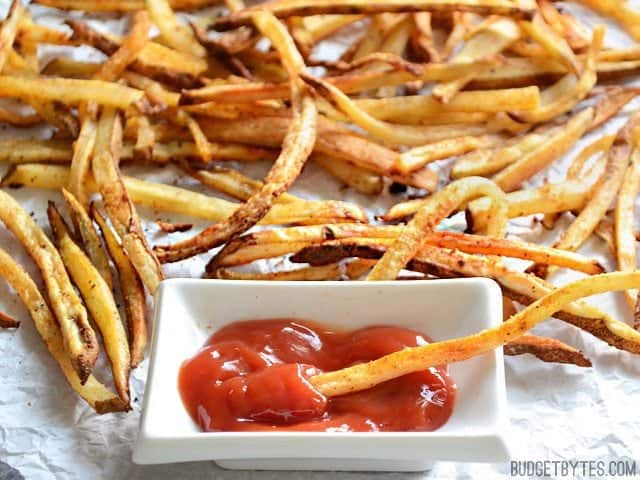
253 376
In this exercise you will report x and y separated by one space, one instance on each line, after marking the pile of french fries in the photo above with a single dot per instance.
499 89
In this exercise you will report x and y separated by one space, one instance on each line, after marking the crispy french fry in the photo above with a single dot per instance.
420 156
366 375
176 35
547 350
157 61
410 135
554 145
552 43
297 147
625 232
90 239
9 30
488 40
620 12
8 322
419 107
336 271
79 338
358 178
91 390
167 227
283 9
168 198
602 196
437 207
568 91
109 182
486 162
70 91
99 299
121 5
132 290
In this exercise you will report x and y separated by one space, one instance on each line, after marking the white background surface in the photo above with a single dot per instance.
557 412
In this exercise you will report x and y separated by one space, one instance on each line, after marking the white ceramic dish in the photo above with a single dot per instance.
188 311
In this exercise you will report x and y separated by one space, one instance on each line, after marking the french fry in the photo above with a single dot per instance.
297 147
484 162
101 399
176 35
486 41
8 322
624 220
569 90
155 60
437 207
104 166
555 144
420 156
601 197
552 43
70 91
99 299
547 350
167 227
79 338
9 29
620 12
131 288
420 107
350 271
81 160
564 24
358 178
19 120
236 253
121 5
283 9
90 239
422 41
168 198
366 375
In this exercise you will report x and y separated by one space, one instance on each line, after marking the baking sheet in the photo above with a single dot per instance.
557 412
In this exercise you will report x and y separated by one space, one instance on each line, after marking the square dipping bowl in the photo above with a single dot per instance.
188 312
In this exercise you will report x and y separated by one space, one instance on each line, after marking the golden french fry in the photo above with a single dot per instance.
131 288
90 239
620 12
366 375
554 145
79 338
9 29
420 156
625 232
358 178
547 350
101 399
487 40
125 219
8 322
176 35
168 198
99 299
69 91
297 147
569 90
552 43
601 197
435 208
282 9
336 271
121 5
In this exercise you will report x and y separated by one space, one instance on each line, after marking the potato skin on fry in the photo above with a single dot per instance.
79 338
547 350
99 299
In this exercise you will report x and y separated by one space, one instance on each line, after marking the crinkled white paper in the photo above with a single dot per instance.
557 412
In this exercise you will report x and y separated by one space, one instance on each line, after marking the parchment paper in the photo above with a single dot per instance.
557 412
